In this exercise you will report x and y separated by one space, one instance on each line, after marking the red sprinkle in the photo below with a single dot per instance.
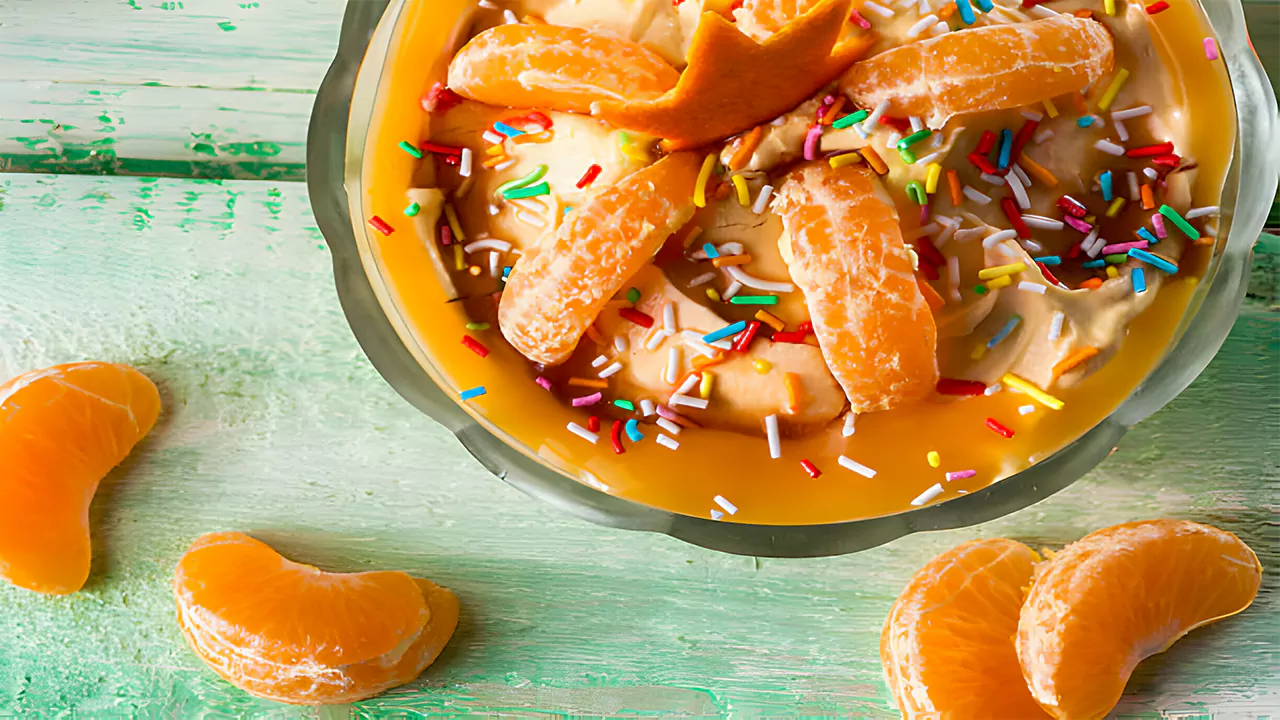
902 125
805 327
1150 150
593 424
589 176
951 386
381 225
636 317
856 17
440 99
615 436
1072 208
1048 275
810 468
744 338
986 142
1011 211
998 428
1022 138
983 164
439 149
788 337
1167 160
929 252
929 270
535 117
475 346
1157 7
446 234
1074 252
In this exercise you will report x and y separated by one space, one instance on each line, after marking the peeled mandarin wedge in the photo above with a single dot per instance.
988 68
557 290
290 632
557 67
1120 595
844 250
947 645
62 429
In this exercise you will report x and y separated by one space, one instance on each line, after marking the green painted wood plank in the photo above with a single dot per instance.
276 424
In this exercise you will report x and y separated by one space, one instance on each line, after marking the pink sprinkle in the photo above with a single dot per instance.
1123 247
1210 48
961 475
1077 223
585 400
543 383
855 16
1158 221
924 214
446 235
668 413
811 142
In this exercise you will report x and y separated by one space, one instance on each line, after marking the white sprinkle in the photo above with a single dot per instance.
600 360
493 264
669 318
916 124
762 200
689 383
1194 213
734 288
669 426
693 402
1032 246
620 343
940 29
583 433
771 430
992 179
1055 326
1032 115
849 419
1019 191
529 218
1026 409
646 407
1109 147
492 137
992 389
936 140
667 442
737 273
1088 241
702 279
928 495
953 277
728 506
976 196
1122 132
489 244
611 370
1150 173
1041 222
968 234
995 238
731 248
855 466
656 337
870 123
716 515
924 8
1042 134
1031 287
891 142
1134 193
510 17
527 204
504 165
1022 175
488 5
494 209
923 230
1131 113
946 235
932 157
695 340
1042 11
673 365
464 165
877 9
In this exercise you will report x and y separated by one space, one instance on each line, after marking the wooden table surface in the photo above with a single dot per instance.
214 280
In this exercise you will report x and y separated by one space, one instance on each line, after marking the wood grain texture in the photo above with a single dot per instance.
276 424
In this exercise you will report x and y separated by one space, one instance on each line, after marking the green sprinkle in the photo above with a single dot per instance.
408 147
527 192
477 326
633 295
624 138
624 404
849 120
525 181
980 289
412 209
916 192
754 300
907 156
1176 219
1116 259
914 138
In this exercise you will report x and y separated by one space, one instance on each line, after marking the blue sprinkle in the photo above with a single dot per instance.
1146 234
633 431
966 12
1105 181
566 210
1139 279
507 130
1153 261
1085 121
474 392
711 250
725 332
1049 260
1004 331
986 5
1006 141
506 271
1100 262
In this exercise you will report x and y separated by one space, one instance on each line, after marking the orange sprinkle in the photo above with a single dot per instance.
1092 283
588 383
931 296
1083 13
770 320
1038 170
1074 359
873 159
727 260
595 335
957 192
702 361
495 162
830 116
691 236
792 383
533 20
947 11
743 154
722 191
536 138
1148 198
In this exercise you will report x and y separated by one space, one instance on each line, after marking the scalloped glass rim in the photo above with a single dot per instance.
340 122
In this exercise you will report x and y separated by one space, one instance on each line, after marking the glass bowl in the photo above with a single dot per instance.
346 110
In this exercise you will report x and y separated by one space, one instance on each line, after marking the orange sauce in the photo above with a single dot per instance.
712 462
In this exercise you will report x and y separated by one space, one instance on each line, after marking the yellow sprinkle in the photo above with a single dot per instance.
1001 282
992 273
700 190
1036 393
1050 108
1112 272
711 293
763 366
457 257
770 320
635 152
978 351
1116 83
846 159
454 225
704 388
931 178
1117 204
494 162
934 459
1109 6
496 150
744 194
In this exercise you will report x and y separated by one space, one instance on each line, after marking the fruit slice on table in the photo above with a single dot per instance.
556 67
844 249
733 83
988 68
947 645
558 288
1122 594
293 633
62 429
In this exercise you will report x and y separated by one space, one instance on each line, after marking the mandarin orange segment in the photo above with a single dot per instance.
293 633
947 645
1122 594
558 288
62 429
989 68
846 254
557 67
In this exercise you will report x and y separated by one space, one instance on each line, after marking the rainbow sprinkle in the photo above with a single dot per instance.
474 392
633 430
